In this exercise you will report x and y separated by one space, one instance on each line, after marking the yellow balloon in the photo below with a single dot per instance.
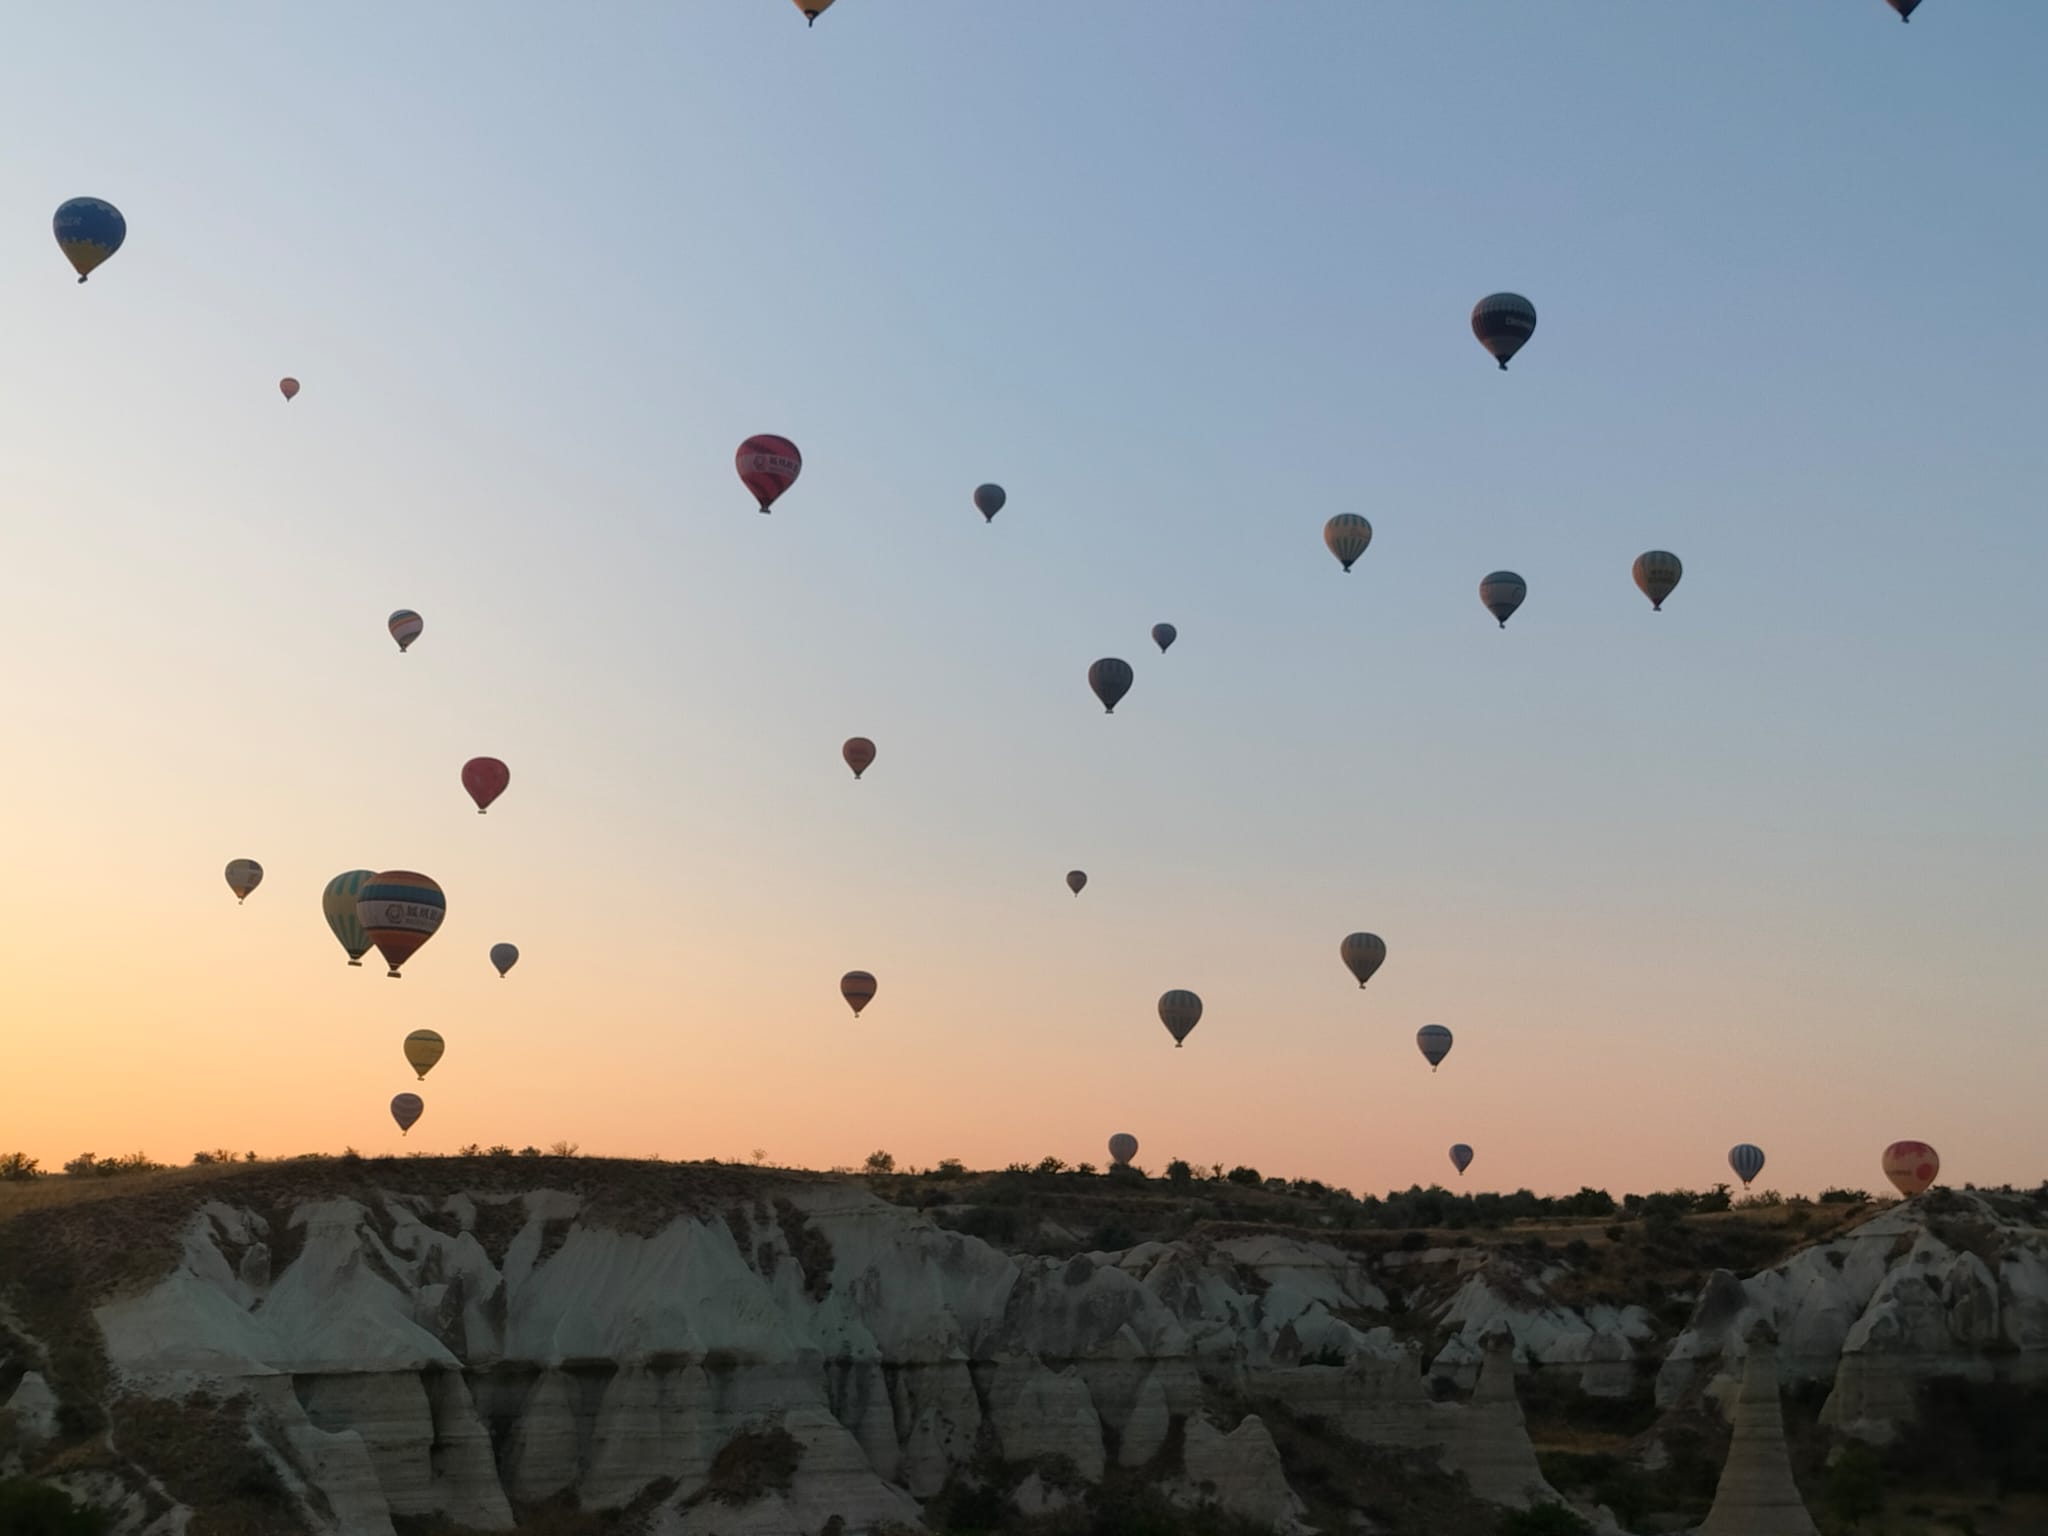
422 1049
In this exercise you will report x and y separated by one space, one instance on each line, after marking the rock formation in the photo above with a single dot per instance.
1757 1496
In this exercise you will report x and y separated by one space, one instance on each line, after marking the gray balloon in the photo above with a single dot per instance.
1122 1148
989 500
1502 592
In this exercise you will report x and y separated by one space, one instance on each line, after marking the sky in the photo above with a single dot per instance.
1186 280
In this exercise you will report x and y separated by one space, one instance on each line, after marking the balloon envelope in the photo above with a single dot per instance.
1111 679
859 752
1503 322
989 500
1747 1160
768 466
400 911
1502 592
1163 636
504 957
1122 1148
1461 1158
813 9
1656 572
485 778
1911 1165
288 387
1076 878
422 1049
88 231
405 627
1363 953
1905 8
1434 1041
858 988
338 906
244 875
1347 535
1180 1012
406 1109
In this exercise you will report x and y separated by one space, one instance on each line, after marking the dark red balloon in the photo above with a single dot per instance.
768 466
859 752
485 778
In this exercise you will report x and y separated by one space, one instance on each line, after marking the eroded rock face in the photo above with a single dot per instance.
453 1358
1756 1495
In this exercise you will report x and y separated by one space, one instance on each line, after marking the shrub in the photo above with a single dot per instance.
36 1509
1246 1176
1855 1488
1050 1165
754 1464
949 1168
1716 1199
570 1149
529 1151
1087 1169
1544 1520
1179 1174
1762 1199
880 1162
19 1167
1845 1197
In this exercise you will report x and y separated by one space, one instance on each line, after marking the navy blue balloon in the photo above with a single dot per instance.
88 232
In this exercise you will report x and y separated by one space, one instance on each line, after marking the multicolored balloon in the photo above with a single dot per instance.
989 500
1363 953
1656 572
406 1109
1434 1041
1502 593
1076 878
485 778
1461 1158
1347 536
859 753
1503 322
405 627
1163 636
1180 1011
1111 679
1747 1160
338 906
504 957
858 988
288 387
400 911
244 875
1122 1148
768 466
1911 1165
813 9
88 231
422 1049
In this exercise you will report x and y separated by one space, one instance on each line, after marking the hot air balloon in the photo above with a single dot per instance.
1180 1012
88 232
338 905
244 875
1111 680
1502 322
1461 1158
399 911
485 778
858 752
406 1109
1905 8
768 466
1912 1166
1347 535
858 988
1502 592
989 500
1364 953
1163 636
813 9
288 387
1657 572
1434 1041
1076 878
1747 1161
504 957
422 1049
1122 1148
405 627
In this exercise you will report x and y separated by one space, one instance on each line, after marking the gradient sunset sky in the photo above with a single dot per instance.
1187 279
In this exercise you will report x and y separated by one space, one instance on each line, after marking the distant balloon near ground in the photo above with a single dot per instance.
338 906
485 778
859 753
1502 592
1111 679
1180 1011
243 875
768 466
400 911
406 1109
989 500
504 957
1363 953
1122 1148
288 388
1911 1165
1461 1158
88 231
1747 1160
1434 1041
1163 636
405 627
1076 878
858 988
1503 322
1347 535
422 1049
1656 572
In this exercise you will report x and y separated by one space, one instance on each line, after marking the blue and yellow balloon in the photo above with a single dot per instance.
88 232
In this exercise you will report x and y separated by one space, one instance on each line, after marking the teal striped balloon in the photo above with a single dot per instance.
338 903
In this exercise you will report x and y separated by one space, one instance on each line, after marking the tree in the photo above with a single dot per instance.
881 1162
1179 1174
36 1509
19 1167
1051 1165
1855 1487
949 1168
1246 1176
